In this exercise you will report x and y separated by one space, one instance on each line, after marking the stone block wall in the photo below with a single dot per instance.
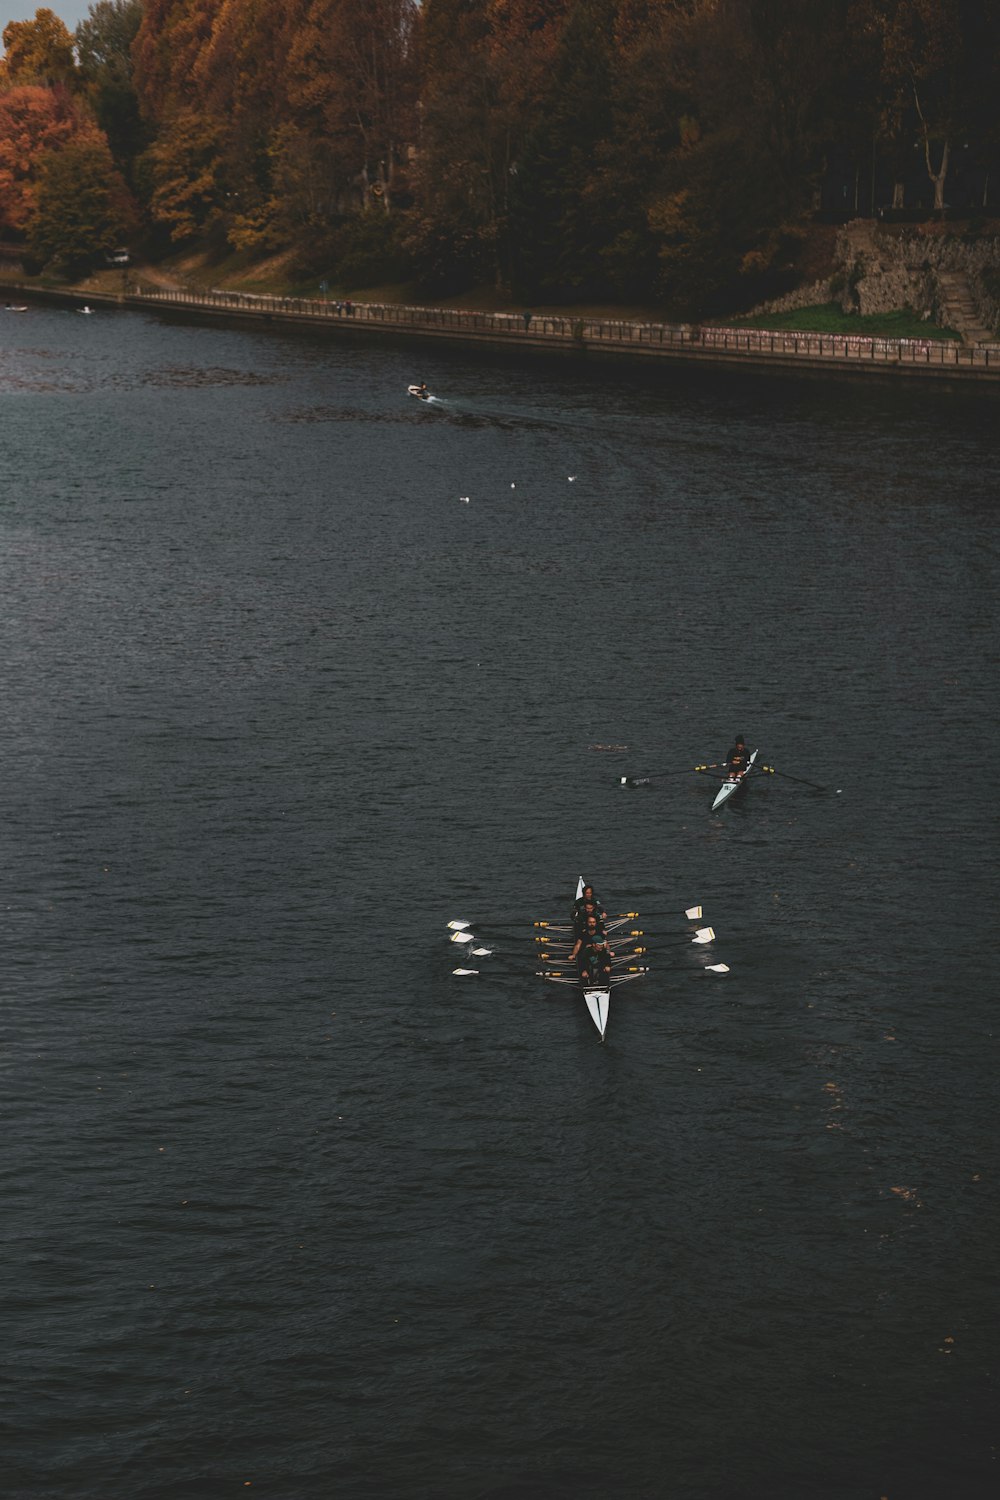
885 273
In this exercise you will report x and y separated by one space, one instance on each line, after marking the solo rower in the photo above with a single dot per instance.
736 760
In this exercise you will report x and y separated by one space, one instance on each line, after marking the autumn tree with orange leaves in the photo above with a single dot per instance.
666 151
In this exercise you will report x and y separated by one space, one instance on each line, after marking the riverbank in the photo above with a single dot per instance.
771 350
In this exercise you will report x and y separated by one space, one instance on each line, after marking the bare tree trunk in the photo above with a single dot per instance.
938 177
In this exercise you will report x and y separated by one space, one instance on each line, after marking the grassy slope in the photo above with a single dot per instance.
829 319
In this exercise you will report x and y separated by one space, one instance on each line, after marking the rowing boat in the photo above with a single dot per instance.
732 784
597 998
555 942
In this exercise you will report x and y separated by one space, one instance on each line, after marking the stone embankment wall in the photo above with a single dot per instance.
880 273
977 260
732 348
813 295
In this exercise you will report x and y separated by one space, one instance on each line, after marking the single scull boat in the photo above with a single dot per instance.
732 784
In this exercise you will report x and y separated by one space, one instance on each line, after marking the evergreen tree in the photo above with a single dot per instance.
104 48
557 238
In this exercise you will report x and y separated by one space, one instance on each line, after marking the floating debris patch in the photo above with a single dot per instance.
190 377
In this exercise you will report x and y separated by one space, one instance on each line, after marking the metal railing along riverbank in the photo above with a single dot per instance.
680 340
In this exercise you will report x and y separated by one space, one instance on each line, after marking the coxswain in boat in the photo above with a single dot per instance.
736 760
585 905
422 391
594 957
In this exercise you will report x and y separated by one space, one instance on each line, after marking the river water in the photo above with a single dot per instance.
295 669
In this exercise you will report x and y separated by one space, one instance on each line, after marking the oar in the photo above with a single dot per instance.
696 973
502 966
466 938
615 936
693 914
659 775
624 940
702 936
546 956
482 973
773 771
568 974
457 924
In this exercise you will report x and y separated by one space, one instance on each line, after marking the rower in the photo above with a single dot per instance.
422 390
591 931
589 916
595 965
736 760
596 956
586 905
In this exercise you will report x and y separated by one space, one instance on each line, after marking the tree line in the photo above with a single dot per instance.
664 151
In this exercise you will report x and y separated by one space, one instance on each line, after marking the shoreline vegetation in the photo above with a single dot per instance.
203 273
691 163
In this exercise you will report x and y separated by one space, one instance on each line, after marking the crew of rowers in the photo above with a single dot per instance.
590 952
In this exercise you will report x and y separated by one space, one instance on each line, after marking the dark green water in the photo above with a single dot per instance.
285 1205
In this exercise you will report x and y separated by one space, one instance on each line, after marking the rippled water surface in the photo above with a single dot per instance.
295 669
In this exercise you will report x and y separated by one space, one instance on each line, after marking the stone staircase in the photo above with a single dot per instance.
958 310
888 281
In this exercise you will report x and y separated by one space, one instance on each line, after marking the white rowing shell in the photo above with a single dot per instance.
599 1004
598 1001
727 788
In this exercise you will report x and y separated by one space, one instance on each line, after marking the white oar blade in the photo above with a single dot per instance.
716 968
457 926
465 971
704 935
462 937
693 913
480 952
